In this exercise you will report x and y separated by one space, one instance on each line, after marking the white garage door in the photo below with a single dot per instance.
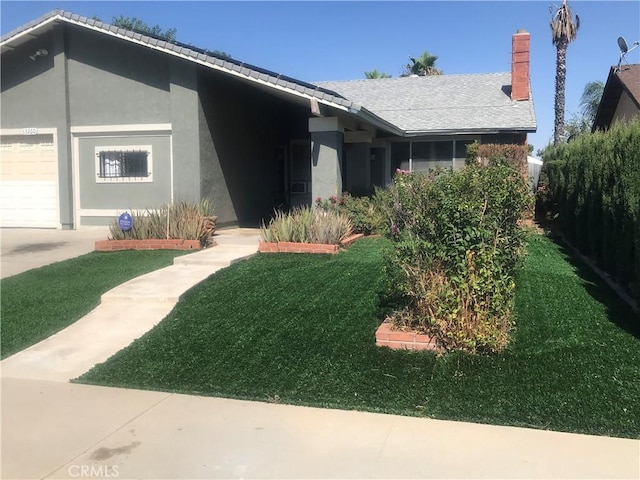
28 181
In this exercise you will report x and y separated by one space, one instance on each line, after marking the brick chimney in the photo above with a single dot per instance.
520 65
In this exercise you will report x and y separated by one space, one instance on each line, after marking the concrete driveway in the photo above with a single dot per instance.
27 248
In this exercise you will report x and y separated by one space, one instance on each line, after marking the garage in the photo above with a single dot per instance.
28 180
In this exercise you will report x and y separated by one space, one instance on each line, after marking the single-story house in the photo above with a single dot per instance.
620 100
96 119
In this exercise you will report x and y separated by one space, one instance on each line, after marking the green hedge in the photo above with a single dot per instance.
593 189
457 245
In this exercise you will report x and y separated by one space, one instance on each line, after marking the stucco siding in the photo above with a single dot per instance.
32 90
112 82
185 131
118 194
212 182
238 161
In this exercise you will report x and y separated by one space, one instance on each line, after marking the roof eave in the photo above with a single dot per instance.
471 131
32 30
377 121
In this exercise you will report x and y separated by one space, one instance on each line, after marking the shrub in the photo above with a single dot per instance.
307 225
180 220
457 244
363 212
594 192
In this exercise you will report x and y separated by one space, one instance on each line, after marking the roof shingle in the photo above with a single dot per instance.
441 103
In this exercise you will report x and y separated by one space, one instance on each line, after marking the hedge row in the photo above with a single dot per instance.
490 153
592 186
457 245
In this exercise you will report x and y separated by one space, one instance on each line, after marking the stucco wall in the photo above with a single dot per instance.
358 169
112 82
124 195
185 131
32 91
241 129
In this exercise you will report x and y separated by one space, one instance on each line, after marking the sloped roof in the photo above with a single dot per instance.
442 103
623 78
402 106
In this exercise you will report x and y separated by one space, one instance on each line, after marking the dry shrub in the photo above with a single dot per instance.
178 220
307 225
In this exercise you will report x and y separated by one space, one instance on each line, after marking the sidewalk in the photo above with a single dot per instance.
55 429
60 430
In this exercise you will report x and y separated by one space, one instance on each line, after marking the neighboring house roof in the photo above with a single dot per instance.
402 106
623 78
442 103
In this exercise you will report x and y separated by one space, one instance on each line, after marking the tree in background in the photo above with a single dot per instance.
422 66
563 31
590 100
133 23
373 74
578 124
169 35
581 123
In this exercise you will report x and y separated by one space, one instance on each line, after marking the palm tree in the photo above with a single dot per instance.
590 100
422 66
372 74
563 31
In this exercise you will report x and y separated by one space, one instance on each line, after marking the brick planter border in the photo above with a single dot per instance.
149 244
293 247
388 336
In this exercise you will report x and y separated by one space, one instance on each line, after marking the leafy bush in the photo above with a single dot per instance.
180 220
593 190
363 212
457 244
307 225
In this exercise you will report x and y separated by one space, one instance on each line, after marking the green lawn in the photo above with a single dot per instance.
300 329
43 301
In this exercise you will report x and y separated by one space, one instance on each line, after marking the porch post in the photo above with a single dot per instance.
326 157
358 162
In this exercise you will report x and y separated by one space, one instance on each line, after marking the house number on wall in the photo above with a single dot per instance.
29 131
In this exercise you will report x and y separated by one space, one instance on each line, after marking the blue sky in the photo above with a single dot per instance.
338 40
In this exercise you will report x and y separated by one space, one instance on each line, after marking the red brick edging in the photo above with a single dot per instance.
293 247
387 336
149 244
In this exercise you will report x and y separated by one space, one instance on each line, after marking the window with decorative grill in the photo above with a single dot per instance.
125 164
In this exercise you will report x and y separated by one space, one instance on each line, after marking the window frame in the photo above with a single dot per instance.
124 148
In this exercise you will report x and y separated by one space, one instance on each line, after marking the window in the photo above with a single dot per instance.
422 156
124 164
460 153
430 155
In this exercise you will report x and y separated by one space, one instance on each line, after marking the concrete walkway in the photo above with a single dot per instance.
54 429
126 312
